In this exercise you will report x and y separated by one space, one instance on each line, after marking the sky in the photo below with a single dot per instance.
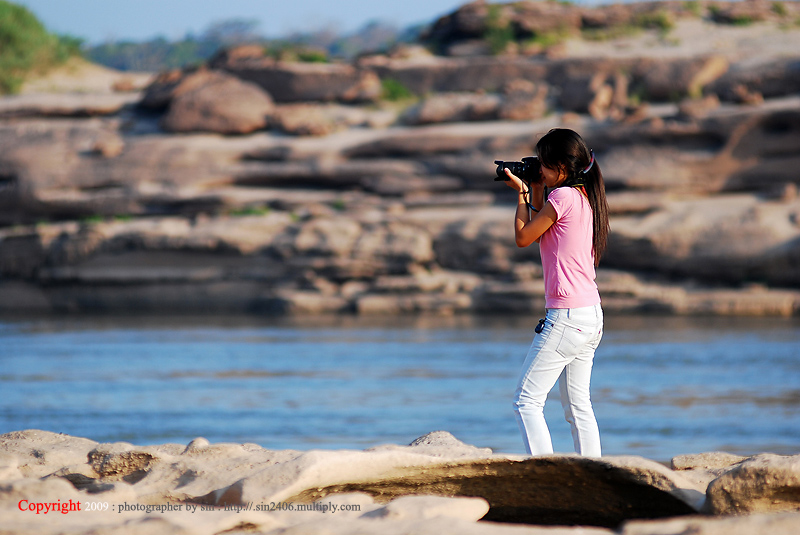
98 21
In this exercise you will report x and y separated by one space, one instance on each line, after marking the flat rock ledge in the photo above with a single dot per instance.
437 484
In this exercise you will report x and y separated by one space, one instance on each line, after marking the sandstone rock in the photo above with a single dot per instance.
305 120
468 48
697 245
536 19
427 281
423 507
745 12
764 483
666 80
410 52
479 245
545 497
743 95
161 90
761 524
213 101
523 101
444 444
63 105
488 74
696 108
39 453
468 21
425 303
305 302
302 82
508 298
109 146
435 485
413 144
453 107
230 56
398 184
771 78
705 467
708 461
51 490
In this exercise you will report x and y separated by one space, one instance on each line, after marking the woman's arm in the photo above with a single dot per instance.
527 230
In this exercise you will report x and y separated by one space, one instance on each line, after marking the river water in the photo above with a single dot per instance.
662 386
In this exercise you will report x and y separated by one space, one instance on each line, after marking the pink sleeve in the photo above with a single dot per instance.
559 199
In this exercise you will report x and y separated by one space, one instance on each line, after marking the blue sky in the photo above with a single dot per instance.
97 21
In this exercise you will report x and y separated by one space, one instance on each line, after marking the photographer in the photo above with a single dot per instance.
570 222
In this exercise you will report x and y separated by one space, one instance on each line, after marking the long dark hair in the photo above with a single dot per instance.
564 149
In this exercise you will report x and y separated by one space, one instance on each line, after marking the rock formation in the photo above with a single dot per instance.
435 484
314 203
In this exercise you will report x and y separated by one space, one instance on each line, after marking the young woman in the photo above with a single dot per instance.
570 222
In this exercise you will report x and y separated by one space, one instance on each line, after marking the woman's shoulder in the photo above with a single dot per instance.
564 195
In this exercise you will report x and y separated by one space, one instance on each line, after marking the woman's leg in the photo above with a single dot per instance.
573 386
540 372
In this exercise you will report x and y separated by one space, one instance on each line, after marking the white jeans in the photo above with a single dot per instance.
562 352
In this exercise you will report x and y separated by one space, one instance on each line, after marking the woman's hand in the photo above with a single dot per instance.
514 182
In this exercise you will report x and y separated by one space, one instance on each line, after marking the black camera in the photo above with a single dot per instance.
528 169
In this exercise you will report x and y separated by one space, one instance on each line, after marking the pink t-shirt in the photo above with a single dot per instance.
566 250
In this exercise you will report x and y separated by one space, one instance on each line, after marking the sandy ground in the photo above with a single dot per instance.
81 76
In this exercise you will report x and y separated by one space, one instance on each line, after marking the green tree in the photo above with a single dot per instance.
26 46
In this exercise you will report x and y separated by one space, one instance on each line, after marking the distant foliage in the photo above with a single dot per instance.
27 47
318 46
154 55
160 54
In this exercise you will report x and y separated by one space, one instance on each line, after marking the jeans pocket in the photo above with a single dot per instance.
573 339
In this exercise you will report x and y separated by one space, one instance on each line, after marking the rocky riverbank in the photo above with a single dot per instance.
256 185
435 484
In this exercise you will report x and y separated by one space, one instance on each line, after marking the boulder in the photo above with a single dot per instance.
764 483
160 92
230 56
212 101
468 21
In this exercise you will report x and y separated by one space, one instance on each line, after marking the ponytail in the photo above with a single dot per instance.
596 193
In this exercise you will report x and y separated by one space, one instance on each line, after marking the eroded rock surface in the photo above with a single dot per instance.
436 483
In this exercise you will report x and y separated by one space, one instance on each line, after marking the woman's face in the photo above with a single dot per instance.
552 177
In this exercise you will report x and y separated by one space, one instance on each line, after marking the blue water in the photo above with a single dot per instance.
661 386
